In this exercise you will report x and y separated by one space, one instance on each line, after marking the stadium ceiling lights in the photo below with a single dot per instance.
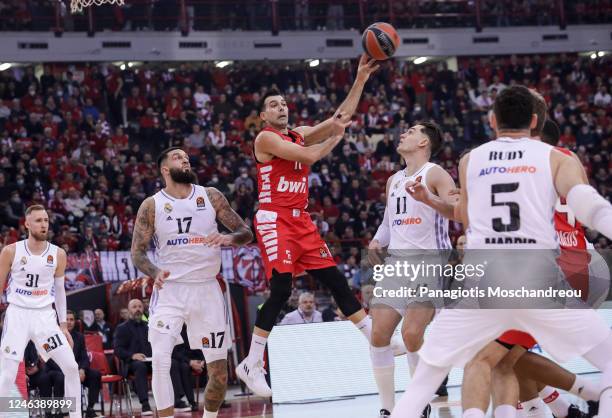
420 60
314 63
5 66
601 54
223 64
593 55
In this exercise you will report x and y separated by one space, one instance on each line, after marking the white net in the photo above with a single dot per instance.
77 6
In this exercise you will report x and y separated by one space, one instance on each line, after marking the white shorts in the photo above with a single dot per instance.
456 335
37 324
201 306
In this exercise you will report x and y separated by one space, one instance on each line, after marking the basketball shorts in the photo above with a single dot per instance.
290 242
514 337
39 325
456 335
201 306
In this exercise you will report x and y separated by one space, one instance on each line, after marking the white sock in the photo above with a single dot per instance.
505 411
208 414
557 404
365 326
585 389
258 347
413 360
536 408
383 367
473 413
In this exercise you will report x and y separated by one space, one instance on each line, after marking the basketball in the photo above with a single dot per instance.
380 41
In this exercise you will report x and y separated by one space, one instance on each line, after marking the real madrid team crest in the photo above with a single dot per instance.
167 208
200 203
24 260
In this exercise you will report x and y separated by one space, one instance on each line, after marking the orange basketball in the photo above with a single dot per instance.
380 41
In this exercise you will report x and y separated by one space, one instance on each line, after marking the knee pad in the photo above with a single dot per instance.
280 291
340 290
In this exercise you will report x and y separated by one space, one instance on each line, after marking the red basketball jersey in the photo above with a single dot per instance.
282 182
569 230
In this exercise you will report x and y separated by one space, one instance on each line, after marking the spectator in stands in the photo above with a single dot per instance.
124 315
306 312
367 293
133 348
101 327
90 378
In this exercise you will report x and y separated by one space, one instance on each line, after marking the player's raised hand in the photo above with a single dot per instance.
366 66
160 278
216 239
418 191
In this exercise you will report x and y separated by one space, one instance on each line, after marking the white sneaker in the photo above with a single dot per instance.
397 344
254 377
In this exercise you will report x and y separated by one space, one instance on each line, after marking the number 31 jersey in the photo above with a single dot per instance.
32 280
180 228
511 195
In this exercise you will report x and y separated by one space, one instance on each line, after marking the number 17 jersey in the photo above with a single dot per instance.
180 228
511 195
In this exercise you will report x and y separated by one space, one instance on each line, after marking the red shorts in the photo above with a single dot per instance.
290 242
514 337
574 263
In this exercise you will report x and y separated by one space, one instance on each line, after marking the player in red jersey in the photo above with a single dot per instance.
288 239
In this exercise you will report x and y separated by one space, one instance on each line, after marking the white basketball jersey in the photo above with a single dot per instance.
412 224
180 228
32 280
511 195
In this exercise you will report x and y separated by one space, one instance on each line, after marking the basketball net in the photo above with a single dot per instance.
77 6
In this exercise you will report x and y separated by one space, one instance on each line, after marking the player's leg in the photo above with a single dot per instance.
475 390
600 358
416 318
384 322
346 300
540 369
251 370
162 345
63 356
165 324
504 384
15 337
214 394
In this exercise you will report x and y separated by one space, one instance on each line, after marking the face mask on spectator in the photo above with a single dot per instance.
325 171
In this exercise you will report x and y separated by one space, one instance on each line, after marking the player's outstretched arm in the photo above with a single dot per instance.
588 205
441 200
315 134
382 238
61 305
7 255
240 233
269 143
144 228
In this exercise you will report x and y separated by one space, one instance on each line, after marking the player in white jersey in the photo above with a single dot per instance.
36 281
182 221
509 191
412 231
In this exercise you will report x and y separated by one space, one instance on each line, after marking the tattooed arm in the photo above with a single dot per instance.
144 228
240 232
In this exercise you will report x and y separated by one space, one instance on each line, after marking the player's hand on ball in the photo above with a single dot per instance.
160 278
216 239
418 191
375 253
366 66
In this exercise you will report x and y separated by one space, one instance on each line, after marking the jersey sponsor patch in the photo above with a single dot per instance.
407 221
200 203
205 342
49 259
517 169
